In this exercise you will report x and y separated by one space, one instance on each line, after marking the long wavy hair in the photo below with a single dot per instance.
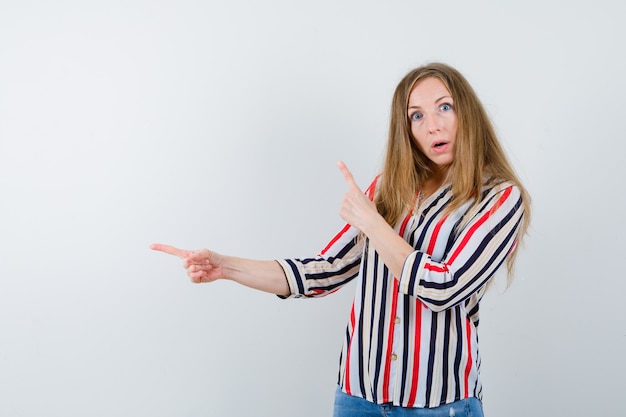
478 155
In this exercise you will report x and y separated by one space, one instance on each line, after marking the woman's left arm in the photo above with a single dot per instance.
358 210
474 256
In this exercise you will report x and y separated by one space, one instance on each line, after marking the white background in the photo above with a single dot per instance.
217 124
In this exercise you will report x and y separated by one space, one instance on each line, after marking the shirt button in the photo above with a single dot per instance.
394 356
397 320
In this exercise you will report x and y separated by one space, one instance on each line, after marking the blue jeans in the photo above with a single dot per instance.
349 406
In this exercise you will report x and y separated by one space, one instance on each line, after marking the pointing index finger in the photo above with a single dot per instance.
170 250
347 175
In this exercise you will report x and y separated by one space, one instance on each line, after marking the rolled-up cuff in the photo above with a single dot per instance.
408 282
294 277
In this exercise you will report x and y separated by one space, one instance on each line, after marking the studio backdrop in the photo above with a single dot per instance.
218 124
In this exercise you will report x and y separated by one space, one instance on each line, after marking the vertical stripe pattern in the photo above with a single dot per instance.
412 340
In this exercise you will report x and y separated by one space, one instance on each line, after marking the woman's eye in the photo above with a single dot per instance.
446 107
416 116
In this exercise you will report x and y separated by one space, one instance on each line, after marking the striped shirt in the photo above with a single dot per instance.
412 340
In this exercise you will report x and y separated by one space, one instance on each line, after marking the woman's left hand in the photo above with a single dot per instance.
356 208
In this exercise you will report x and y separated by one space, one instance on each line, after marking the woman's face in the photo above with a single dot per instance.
433 120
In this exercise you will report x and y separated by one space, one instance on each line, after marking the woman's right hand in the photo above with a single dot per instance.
202 265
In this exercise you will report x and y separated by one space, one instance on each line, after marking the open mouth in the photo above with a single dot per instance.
440 147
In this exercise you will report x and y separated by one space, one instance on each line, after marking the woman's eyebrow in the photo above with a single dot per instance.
436 101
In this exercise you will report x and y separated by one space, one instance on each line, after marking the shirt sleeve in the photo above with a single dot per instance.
475 253
337 264
324 274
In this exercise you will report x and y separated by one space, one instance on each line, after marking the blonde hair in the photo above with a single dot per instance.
478 157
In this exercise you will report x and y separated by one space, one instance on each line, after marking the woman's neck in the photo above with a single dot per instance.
435 181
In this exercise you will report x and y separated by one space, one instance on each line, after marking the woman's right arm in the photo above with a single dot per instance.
207 266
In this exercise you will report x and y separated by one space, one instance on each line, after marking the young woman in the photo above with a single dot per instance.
423 242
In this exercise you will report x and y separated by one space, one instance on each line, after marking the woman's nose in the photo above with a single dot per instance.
432 124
